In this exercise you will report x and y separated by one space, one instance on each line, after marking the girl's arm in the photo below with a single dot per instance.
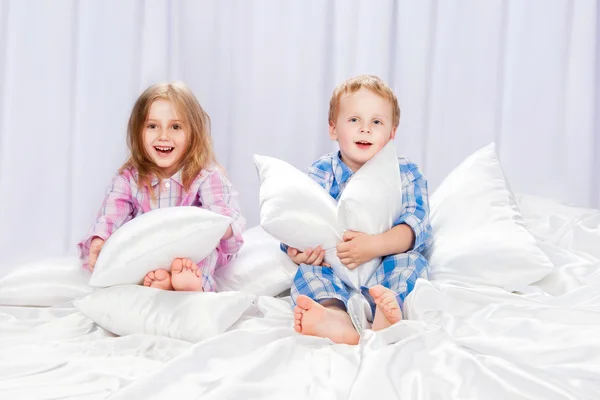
117 208
218 195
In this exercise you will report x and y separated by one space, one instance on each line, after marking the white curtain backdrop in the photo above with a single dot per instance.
522 73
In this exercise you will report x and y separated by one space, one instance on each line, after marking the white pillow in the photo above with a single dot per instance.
154 239
299 212
191 316
260 268
45 283
478 234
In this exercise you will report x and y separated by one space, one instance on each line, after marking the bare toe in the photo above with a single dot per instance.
376 291
298 319
176 266
388 310
159 279
161 274
149 278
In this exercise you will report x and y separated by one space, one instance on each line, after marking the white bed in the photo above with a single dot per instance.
459 342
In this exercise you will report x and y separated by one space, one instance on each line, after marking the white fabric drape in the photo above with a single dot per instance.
525 74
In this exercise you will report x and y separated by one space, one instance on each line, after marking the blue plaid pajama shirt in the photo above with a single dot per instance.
397 272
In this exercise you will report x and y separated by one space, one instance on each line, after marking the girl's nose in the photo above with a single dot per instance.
163 134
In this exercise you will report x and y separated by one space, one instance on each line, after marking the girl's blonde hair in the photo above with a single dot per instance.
353 85
196 121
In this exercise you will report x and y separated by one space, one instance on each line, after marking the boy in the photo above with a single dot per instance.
363 117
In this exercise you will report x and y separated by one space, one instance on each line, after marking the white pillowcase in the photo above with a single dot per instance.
45 283
191 316
478 234
299 212
154 239
260 268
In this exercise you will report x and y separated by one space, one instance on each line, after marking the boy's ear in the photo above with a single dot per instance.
332 132
393 134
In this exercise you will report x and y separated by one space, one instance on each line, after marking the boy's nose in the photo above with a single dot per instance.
365 129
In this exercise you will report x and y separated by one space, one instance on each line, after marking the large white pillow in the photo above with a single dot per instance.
154 239
478 234
191 316
260 268
299 212
45 283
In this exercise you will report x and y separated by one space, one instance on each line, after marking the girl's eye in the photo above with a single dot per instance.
151 126
176 127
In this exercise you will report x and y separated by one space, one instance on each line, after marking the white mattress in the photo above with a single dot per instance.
459 342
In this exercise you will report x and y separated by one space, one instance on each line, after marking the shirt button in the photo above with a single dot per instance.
167 185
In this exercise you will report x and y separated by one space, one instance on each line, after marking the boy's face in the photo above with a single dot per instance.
362 127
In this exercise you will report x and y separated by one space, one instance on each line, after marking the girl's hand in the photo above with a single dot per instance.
356 249
308 257
228 234
95 247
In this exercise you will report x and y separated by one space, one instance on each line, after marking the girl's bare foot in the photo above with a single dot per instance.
388 310
160 279
313 319
185 275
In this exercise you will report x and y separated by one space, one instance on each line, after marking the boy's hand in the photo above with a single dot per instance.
356 249
95 247
309 256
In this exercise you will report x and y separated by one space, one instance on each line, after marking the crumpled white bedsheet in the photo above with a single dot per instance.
460 342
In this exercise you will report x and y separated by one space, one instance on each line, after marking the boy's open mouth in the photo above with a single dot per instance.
163 149
363 144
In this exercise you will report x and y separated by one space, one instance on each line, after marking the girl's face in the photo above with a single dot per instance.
165 139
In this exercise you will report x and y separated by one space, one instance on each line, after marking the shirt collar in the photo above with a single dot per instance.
341 171
177 177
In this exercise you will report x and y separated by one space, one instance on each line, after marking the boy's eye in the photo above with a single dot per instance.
353 119
377 122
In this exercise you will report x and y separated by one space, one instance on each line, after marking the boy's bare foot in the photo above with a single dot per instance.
185 275
313 319
388 310
160 279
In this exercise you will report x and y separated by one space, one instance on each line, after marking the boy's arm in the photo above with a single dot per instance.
412 230
399 239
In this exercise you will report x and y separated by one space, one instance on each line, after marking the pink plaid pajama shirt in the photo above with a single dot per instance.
210 190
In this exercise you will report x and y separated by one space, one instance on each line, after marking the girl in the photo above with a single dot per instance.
171 163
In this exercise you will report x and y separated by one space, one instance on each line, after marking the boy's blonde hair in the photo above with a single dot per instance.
353 85
196 122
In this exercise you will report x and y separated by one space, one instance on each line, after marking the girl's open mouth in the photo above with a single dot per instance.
163 150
